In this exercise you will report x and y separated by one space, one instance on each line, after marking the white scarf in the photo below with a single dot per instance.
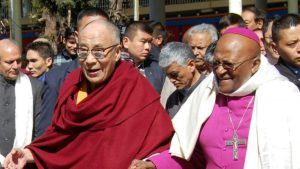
23 112
274 135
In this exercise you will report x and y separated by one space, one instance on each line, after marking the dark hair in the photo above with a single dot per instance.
209 54
284 22
158 29
70 31
132 28
44 49
231 19
269 20
259 14
91 12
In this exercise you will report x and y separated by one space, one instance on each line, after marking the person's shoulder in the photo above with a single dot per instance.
280 86
61 70
35 81
36 84
283 69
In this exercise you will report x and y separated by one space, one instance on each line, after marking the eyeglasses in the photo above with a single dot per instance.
229 66
98 53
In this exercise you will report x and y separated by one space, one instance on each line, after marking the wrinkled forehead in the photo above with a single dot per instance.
94 37
200 37
9 49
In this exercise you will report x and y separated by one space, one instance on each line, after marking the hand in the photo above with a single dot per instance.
139 164
16 159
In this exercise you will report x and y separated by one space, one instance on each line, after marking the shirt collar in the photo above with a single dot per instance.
295 70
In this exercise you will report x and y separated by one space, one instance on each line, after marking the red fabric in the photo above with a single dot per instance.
118 122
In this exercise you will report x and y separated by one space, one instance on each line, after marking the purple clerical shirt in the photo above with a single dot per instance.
211 151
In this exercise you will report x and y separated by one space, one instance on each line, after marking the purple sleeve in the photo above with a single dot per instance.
164 160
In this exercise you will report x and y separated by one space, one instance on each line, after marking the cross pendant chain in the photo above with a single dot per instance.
235 142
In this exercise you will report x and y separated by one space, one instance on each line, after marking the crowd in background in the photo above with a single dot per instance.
224 97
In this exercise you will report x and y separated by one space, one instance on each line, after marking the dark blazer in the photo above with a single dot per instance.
154 74
37 87
287 72
53 81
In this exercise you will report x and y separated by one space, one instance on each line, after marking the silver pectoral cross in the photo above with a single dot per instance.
235 142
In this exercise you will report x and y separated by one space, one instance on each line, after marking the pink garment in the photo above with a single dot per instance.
243 32
215 131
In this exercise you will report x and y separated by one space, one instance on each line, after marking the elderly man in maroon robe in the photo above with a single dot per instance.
107 113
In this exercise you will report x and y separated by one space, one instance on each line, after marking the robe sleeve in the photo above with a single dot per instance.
166 161
159 134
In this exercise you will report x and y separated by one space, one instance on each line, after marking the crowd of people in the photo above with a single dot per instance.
225 97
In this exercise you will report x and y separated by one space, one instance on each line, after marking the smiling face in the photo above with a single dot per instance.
234 49
288 45
98 36
71 45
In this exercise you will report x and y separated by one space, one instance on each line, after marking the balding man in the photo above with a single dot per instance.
56 76
20 100
243 117
106 115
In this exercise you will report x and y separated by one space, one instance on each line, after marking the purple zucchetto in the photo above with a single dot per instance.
243 32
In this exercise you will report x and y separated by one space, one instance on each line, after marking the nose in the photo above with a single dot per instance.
28 67
219 69
298 47
90 59
148 45
16 64
172 80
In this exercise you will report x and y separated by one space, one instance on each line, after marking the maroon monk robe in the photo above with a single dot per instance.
120 121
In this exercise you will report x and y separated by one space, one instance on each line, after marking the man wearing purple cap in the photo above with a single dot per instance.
244 115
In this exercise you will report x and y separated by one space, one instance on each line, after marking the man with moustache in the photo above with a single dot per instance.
20 100
199 38
178 61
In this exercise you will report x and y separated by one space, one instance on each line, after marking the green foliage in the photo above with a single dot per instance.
60 7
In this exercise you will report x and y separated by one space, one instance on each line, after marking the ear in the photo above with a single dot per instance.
76 36
118 50
191 65
260 24
125 42
160 40
274 48
255 65
49 62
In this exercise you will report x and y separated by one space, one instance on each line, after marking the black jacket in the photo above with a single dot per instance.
52 84
287 72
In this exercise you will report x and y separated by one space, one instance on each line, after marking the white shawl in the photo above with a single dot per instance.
23 113
274 135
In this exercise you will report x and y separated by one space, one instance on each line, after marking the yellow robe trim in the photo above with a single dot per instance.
82 93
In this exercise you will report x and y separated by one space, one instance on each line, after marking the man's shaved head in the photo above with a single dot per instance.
7 45
236 59
10 59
